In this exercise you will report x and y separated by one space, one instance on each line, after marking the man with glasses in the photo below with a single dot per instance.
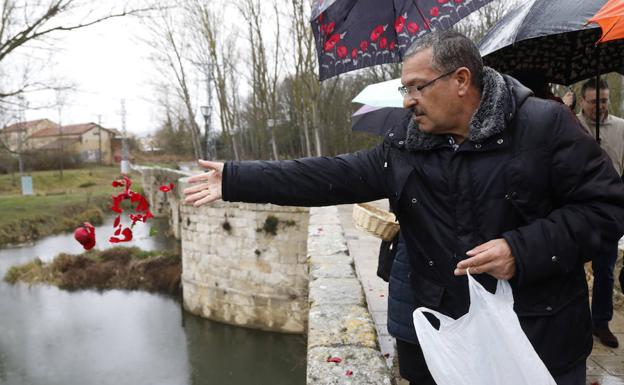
482 176
595 105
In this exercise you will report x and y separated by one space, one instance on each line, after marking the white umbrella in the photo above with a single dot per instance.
384 94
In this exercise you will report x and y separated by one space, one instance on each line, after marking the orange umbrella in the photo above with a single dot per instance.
611 20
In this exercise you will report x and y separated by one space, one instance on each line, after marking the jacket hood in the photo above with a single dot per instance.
500 99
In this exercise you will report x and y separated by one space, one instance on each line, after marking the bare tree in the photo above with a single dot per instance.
216 58
171 54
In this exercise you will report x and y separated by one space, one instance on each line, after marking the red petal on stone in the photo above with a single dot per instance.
349 373
334 359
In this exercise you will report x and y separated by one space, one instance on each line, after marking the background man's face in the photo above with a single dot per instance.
589 101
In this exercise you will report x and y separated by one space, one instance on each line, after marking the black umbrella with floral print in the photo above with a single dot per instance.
354 34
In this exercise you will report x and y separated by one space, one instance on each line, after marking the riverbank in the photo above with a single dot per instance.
126 268
59 205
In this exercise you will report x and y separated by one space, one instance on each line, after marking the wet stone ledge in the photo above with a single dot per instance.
339 324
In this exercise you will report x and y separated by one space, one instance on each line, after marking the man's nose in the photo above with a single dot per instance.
409 102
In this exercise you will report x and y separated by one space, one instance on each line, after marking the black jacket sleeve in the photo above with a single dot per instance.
588 208
319 181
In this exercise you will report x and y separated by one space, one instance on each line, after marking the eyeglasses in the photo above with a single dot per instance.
599 101
414 91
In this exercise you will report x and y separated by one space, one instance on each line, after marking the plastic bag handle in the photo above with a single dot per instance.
444 319
476 290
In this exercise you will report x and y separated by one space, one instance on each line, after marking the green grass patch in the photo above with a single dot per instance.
83 195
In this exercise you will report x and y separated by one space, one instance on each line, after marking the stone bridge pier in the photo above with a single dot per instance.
276 268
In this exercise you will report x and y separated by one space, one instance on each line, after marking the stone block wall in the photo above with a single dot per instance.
245 264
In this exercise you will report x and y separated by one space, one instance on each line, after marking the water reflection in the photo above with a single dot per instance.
51 337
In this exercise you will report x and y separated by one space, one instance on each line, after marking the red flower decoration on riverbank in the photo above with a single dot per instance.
85 235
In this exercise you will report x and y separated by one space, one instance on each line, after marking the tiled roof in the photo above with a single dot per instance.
21 126
72 129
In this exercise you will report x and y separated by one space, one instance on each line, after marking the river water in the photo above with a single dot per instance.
54 337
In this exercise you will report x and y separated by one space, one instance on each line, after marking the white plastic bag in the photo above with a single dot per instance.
486 346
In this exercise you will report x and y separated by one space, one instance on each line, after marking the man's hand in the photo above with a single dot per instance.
493 257
208 187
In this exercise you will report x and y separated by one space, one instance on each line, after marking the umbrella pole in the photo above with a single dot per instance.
596 105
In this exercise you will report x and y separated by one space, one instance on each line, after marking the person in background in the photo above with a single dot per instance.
596 106
486 177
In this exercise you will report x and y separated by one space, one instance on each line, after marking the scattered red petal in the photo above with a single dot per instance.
349 373
381 295
165 188
387 355
334 359
127 233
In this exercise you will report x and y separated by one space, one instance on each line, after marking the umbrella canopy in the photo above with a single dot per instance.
383 94
378 120
611 20
551 37
354 34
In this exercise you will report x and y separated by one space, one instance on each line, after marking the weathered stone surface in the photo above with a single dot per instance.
331 270
331 325
366 364
336 291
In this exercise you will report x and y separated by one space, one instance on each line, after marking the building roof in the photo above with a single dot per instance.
22 126
69 130
57 144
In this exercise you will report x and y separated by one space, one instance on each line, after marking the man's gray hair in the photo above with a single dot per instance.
450 50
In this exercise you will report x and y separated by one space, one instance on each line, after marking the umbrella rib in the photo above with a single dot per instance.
419 11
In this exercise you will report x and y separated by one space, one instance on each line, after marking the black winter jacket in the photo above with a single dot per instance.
527 172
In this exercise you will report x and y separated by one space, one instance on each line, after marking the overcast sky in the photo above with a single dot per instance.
107 62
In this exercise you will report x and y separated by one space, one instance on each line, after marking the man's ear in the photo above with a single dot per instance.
463 77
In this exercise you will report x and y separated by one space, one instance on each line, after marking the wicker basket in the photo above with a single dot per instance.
375 221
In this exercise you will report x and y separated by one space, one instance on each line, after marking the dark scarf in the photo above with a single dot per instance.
488 120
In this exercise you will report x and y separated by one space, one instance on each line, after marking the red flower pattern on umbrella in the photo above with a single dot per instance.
442 1
331 42
354 53
85 235
392 45
377 32
435 11
383 43
342 51
399 24
412 27
364 45
329 28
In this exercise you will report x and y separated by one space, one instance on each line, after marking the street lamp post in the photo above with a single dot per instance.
206 112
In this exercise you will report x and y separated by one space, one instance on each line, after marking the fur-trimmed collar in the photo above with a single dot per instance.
488 120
